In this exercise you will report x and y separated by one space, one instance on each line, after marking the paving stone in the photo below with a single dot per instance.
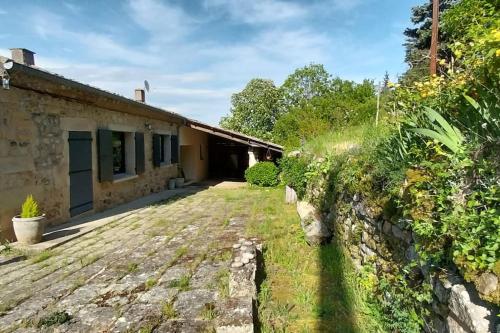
205 274
101 278
189 304
184 326
236 316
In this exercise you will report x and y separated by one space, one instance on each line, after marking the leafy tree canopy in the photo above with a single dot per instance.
305 84
254 110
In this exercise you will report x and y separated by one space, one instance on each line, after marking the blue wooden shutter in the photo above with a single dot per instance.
174 144
156 150
105 154
139 153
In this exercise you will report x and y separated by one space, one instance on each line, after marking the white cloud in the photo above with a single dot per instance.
164 22
258 11
49 25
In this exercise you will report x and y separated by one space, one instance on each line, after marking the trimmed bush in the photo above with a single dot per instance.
262 174
293 172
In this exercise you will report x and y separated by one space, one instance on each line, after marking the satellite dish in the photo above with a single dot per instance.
8 64
146 85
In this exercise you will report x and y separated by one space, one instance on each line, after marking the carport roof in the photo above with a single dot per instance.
234 136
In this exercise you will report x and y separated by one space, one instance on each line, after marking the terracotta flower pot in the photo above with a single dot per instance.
29 230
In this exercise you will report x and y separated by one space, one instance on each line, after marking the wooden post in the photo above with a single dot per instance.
379 88
435 33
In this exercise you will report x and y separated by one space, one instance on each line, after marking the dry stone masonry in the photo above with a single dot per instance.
242 288
371 240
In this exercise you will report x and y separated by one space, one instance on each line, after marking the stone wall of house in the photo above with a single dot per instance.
372 240
34 154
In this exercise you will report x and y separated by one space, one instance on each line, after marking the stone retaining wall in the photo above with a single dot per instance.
456 306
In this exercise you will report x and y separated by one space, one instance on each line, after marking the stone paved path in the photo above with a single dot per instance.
162 269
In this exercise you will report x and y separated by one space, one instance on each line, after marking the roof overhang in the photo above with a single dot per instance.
233 136
41 81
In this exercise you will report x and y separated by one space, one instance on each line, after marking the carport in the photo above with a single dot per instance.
209 152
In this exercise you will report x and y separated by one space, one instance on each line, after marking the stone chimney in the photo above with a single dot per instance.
23 56
140 95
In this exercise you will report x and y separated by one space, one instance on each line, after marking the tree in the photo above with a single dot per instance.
254 110
385 84
418 40
304 84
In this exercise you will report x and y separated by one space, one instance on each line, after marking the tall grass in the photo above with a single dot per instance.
306 289
344 139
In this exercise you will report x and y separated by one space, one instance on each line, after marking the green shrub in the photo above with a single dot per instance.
30 208
293 172
262 174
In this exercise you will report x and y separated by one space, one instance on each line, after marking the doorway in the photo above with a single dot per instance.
80 172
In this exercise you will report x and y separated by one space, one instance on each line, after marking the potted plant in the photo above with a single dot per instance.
171 183
29 226
179 181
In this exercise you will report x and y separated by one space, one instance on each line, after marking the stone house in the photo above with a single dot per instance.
79 149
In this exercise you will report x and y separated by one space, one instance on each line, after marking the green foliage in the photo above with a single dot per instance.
262 174
340 103
254 110
55 318
442 132
30 208
309 103
305 84
293 173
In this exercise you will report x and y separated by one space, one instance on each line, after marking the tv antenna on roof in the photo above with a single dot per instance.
146 85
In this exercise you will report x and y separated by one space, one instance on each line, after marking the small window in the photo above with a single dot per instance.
162 150
118 142
124 157
165 155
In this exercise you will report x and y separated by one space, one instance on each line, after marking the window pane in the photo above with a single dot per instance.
118 142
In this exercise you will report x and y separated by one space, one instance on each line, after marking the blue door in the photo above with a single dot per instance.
80 172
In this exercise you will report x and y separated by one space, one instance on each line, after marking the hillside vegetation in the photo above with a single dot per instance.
431 164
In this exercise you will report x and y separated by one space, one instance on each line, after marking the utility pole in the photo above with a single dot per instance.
379 89
435 33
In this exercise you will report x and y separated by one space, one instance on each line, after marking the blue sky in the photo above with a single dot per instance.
195 54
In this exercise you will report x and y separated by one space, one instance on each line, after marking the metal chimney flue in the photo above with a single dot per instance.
23 56
140 95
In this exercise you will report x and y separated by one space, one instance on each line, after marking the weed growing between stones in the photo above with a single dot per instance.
208 312
222 280
132 267
182 283
150 283
55 318
42 256
179 253
223 255
79 282
168 310
88 260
